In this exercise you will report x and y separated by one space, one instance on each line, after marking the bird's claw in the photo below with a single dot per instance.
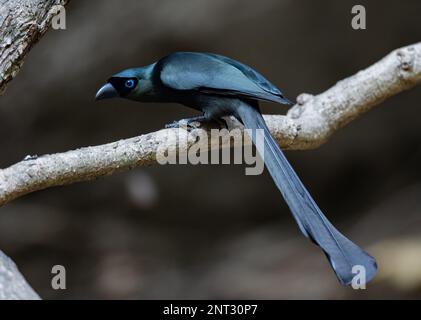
187 125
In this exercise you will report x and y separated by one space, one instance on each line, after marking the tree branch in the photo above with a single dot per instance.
307 125
22 23
13 285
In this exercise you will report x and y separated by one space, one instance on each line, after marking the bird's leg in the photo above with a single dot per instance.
186 122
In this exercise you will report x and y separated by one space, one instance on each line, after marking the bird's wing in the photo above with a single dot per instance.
211 73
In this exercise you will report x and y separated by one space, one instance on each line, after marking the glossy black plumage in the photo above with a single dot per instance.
215 74
219 86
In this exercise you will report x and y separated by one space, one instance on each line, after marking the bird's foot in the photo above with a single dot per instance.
194 123
173 125
188 124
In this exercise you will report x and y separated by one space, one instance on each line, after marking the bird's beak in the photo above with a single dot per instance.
107 91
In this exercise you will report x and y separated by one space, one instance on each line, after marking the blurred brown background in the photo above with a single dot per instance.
211 231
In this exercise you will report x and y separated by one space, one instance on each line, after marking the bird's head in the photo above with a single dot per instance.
133 84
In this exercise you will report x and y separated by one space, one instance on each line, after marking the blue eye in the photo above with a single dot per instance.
129 83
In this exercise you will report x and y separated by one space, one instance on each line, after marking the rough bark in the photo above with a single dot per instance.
22 23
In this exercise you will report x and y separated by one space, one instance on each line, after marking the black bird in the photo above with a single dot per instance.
218 86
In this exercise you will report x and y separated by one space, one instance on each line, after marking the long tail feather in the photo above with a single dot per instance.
342 254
